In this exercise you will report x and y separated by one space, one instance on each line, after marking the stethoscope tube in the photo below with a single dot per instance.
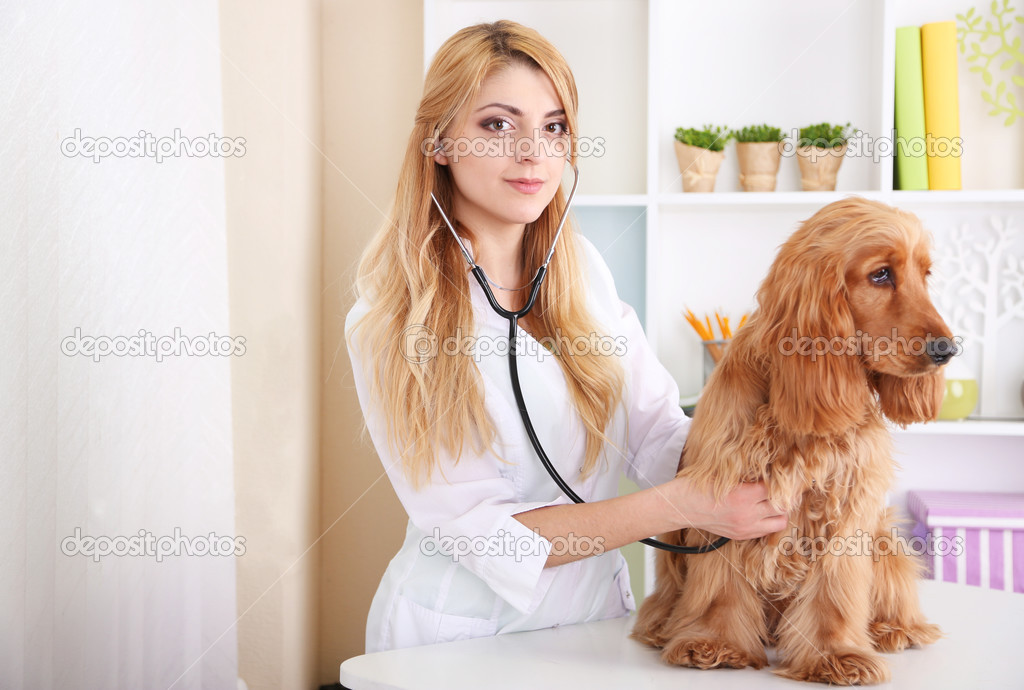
513 319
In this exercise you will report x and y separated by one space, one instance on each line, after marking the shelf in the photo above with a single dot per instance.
689 199
967 427
815 199
803 199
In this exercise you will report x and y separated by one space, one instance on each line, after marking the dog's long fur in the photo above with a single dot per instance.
812 428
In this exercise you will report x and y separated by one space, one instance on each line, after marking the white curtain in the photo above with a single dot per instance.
133 452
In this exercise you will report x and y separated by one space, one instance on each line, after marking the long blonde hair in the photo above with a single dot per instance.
415 277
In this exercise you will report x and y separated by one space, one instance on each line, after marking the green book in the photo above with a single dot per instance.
911 151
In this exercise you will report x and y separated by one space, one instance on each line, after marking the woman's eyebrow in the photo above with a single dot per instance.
517 112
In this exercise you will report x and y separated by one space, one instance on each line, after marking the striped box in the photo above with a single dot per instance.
975 538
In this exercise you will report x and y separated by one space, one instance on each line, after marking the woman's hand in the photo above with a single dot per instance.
743 513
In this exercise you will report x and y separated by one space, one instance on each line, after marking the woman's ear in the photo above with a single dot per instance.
908 399
818 383
437 142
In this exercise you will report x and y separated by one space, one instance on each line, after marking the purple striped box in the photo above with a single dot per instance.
974 538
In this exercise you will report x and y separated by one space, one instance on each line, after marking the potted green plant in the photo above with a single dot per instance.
758 153
700 154
820 152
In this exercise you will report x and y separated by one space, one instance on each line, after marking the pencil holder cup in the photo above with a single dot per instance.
713 351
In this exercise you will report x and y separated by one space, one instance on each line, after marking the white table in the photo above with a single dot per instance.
983 649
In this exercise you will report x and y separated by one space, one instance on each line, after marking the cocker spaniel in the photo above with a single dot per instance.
844 334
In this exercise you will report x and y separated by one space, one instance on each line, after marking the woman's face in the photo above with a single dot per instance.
507 159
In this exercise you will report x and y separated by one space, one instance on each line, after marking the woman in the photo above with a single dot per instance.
492 545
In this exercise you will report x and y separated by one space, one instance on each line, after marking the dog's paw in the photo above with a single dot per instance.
705 653
842 668
892 637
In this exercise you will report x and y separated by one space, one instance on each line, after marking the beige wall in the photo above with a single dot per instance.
271 79
324 93
372 80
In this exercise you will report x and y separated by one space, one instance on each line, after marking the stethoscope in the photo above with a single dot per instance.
513 318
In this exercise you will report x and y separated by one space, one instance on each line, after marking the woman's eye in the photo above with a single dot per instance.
881 276
558 128
498 125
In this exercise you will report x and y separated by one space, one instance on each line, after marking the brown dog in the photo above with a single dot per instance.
844 334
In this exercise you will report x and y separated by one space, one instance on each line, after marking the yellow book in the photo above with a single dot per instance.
941 104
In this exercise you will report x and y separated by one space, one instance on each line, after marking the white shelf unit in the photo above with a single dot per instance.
709 251
645 68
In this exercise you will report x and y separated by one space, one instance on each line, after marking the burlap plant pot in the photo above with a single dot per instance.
819 167
698 167
759 164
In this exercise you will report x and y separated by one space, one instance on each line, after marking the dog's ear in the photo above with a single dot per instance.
818 383
908 399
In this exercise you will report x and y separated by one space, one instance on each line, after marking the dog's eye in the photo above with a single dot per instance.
881 276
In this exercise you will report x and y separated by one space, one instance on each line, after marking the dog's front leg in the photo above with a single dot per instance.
718 619
823 635
897 621
653 616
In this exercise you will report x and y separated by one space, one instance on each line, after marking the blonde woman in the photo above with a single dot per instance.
492 545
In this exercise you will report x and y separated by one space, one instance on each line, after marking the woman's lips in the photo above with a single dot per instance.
526 186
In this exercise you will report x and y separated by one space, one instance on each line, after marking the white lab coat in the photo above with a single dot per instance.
491 579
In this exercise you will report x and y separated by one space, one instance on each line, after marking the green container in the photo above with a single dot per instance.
960 399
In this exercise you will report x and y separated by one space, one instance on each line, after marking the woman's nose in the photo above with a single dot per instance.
526 148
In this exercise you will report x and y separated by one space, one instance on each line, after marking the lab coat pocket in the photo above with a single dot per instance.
413 624
626 591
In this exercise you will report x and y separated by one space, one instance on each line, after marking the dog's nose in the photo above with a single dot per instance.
941 350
